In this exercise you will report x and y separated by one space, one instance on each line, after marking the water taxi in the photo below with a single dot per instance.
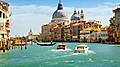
81 49
62 46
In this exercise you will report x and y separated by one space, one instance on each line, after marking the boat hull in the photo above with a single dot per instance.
63 47
46 44
79 51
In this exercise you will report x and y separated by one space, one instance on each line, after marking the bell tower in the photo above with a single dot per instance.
82 16
30 32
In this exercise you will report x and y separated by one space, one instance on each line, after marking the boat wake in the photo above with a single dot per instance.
89 52
59 50
115 45
77 53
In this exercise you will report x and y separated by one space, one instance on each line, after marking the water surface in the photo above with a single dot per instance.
100 55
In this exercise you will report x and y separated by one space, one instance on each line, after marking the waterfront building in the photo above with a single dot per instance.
100 36
35 37
103 36
4 25
32 36
93 32
117 24
59 33
77 29
93 35
85 36
67 33
48 31
111 34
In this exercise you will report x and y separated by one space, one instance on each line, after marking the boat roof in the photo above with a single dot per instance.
61 44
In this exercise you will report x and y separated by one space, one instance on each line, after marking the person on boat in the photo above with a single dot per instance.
51 42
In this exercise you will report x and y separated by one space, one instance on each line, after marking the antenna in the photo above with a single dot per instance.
59 1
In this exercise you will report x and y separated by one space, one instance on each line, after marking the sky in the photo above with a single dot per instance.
33 14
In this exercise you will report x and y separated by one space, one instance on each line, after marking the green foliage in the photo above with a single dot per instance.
112 21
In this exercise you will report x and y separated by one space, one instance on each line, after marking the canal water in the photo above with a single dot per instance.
100 55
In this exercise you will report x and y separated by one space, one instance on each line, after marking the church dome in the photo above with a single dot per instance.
75 16
59 14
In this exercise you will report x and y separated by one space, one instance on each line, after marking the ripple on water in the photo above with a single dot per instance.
90 60
91 52
60 50
106 60
51 63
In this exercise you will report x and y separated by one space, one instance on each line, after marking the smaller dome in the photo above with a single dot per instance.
75 16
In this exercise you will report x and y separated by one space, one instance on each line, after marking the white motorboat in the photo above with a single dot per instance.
81 49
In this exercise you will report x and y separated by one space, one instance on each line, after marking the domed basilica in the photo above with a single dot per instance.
59 16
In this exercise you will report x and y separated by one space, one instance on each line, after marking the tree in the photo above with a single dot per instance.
112 21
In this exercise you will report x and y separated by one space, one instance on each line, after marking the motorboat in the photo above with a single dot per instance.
62 46
81 49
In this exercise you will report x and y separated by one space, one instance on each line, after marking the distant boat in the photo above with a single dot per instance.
46 44
81 49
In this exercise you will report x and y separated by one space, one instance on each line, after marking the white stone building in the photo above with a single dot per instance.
4 24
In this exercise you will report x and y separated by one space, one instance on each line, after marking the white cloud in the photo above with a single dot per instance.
31 16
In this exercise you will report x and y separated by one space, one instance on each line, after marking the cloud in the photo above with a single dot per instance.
31 16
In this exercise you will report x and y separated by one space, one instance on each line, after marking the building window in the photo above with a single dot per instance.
63 23
0 14
92 35
103 35
82 16
3 15
50 30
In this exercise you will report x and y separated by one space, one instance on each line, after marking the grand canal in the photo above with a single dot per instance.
100 55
